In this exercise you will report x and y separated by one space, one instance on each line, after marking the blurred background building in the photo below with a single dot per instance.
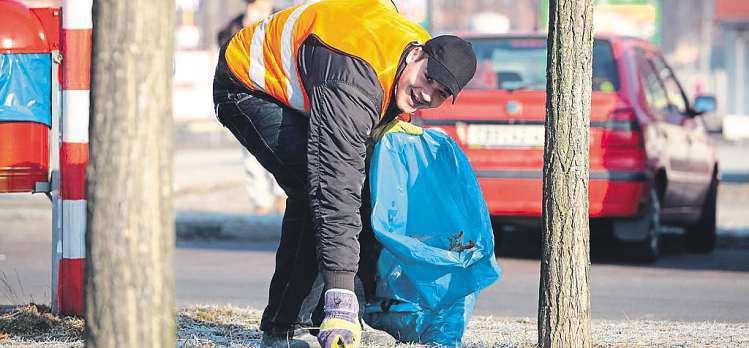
706 41
731 41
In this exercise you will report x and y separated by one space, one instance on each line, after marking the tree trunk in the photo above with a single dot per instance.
130 239
564 296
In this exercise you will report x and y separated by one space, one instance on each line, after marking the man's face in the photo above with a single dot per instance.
415 89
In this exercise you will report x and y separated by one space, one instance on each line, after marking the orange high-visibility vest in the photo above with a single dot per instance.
263 56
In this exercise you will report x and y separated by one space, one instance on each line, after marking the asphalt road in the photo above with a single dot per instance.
679 286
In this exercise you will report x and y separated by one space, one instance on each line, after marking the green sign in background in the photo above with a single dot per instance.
656 38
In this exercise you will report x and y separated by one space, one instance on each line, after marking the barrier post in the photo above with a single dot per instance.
76 62
55 139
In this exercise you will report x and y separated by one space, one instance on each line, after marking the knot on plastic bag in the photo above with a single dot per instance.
457 245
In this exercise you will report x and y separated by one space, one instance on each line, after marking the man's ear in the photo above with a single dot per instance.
414 55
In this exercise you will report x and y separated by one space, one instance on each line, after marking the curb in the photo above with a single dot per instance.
256 228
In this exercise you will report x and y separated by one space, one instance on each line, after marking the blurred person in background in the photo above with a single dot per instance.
255 10
265 195
304 90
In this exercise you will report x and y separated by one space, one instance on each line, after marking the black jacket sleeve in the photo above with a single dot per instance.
345 98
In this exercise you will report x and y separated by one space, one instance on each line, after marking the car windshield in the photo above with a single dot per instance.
520 63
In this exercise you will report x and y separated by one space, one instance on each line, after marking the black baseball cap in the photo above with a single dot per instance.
452 62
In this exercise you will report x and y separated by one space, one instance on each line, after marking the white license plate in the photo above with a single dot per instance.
484 135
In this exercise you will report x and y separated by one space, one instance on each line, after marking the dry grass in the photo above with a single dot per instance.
502 332
218 327
227 326
35 325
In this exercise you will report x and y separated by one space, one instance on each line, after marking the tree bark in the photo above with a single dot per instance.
130 239
564 296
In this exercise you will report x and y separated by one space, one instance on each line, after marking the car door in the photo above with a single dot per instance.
667 121
699 160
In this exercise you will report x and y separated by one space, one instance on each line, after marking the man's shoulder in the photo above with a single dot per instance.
321 64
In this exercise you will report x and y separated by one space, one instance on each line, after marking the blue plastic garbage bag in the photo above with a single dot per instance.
438 246
26 88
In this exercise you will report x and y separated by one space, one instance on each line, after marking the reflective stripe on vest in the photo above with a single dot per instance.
294 87
257 69
263 56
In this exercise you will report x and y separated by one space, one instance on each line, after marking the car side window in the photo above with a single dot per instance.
655 93
673 89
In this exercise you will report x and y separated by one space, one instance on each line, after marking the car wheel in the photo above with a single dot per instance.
700 237
648 249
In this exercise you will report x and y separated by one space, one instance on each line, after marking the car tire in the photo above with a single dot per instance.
700 237
648 249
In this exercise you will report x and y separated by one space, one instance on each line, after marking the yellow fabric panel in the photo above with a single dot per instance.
335 323
367 29
397 126
275 79
370 30
238 50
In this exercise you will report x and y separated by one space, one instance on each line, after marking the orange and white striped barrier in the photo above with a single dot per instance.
70 240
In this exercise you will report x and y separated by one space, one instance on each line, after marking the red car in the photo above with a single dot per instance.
651 161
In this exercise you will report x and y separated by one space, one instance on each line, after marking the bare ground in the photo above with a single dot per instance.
34 326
